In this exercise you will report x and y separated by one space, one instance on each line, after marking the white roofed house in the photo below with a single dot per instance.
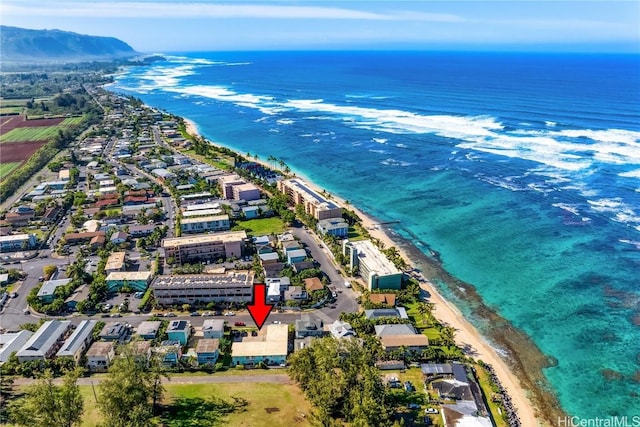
78 342
45 342
12 342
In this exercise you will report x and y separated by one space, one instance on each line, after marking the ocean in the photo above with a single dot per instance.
519 173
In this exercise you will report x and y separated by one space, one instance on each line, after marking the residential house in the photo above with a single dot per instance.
141 350
170 352
296 255
45 342
12 342
383 299
309 327
269 258
296 293
411 343
377 313
207 351
75 238
340 329
148 330
97 241
213 328
79 341
51 215
119 237
179 330
291 246
395 329
452 389
80 294
464 414
141 230
271 347
275 286
313 284
47 291
114 331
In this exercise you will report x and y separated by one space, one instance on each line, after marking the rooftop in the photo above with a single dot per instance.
77 338
375 260
309 194
412 340
149 327
115 261
204 219
129 275
49 287
207 345
178 325
100 348
229 279
213 325
231 236
45 337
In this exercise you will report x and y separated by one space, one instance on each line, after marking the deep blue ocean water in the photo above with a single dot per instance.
522 171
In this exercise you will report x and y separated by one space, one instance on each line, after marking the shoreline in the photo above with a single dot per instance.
511 373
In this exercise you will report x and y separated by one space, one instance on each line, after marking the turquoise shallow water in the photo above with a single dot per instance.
521 172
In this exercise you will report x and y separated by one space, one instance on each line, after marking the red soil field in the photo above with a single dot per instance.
8 123
19 151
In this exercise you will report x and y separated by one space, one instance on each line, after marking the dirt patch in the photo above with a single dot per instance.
271 410
19 151
8 123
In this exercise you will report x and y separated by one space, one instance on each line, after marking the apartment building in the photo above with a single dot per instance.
204 247
233 286
314 204
205 223
373 266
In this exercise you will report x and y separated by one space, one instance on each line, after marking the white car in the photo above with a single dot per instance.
229 313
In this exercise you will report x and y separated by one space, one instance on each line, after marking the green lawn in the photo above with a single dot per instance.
262 226
268 405
37 133
483 379
10 110
223 164
355 233
6 168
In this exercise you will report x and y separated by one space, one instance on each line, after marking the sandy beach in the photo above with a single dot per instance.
467 336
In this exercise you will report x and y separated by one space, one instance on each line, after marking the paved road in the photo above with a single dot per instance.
200 379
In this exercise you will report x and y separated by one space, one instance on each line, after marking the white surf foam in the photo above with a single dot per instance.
631 174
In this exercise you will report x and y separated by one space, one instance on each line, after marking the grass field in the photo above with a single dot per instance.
6 168
222 163
262 226
10 110
268 405
37 133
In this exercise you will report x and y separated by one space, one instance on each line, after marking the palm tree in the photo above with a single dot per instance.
448 334
76 270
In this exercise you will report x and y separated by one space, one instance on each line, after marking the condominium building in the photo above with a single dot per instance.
234 286
227 183
45 342
372 265
245 191
314 204
205 223
204 247
17 241
79 341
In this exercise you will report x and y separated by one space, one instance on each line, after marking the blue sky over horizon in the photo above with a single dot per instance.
163 26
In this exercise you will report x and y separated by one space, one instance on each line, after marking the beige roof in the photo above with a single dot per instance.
413 340
100 348
207 345
115 261
277 333
141 347
129 275
313 284
205 238
259 349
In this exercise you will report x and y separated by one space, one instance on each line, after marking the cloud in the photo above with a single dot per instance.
159 9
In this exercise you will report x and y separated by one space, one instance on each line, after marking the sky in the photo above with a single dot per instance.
204 25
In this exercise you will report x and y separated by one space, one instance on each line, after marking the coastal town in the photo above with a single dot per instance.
142 235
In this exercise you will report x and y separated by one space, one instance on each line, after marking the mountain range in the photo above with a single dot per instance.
26 45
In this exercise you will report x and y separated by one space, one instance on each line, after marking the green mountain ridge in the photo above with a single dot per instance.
26 45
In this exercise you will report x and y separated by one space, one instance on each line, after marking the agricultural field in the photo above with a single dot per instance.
7 168
35 130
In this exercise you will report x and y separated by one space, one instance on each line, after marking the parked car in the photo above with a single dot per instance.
431 411
116 315
229 313
207 314
170 315
239 324
194 314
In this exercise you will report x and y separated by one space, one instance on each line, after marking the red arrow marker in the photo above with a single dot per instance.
259 309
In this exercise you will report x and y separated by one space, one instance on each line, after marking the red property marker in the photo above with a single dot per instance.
259 309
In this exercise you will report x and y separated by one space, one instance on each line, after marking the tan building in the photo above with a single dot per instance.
270 347
227 182
246 192
100 355
314 204
115 262
204 247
